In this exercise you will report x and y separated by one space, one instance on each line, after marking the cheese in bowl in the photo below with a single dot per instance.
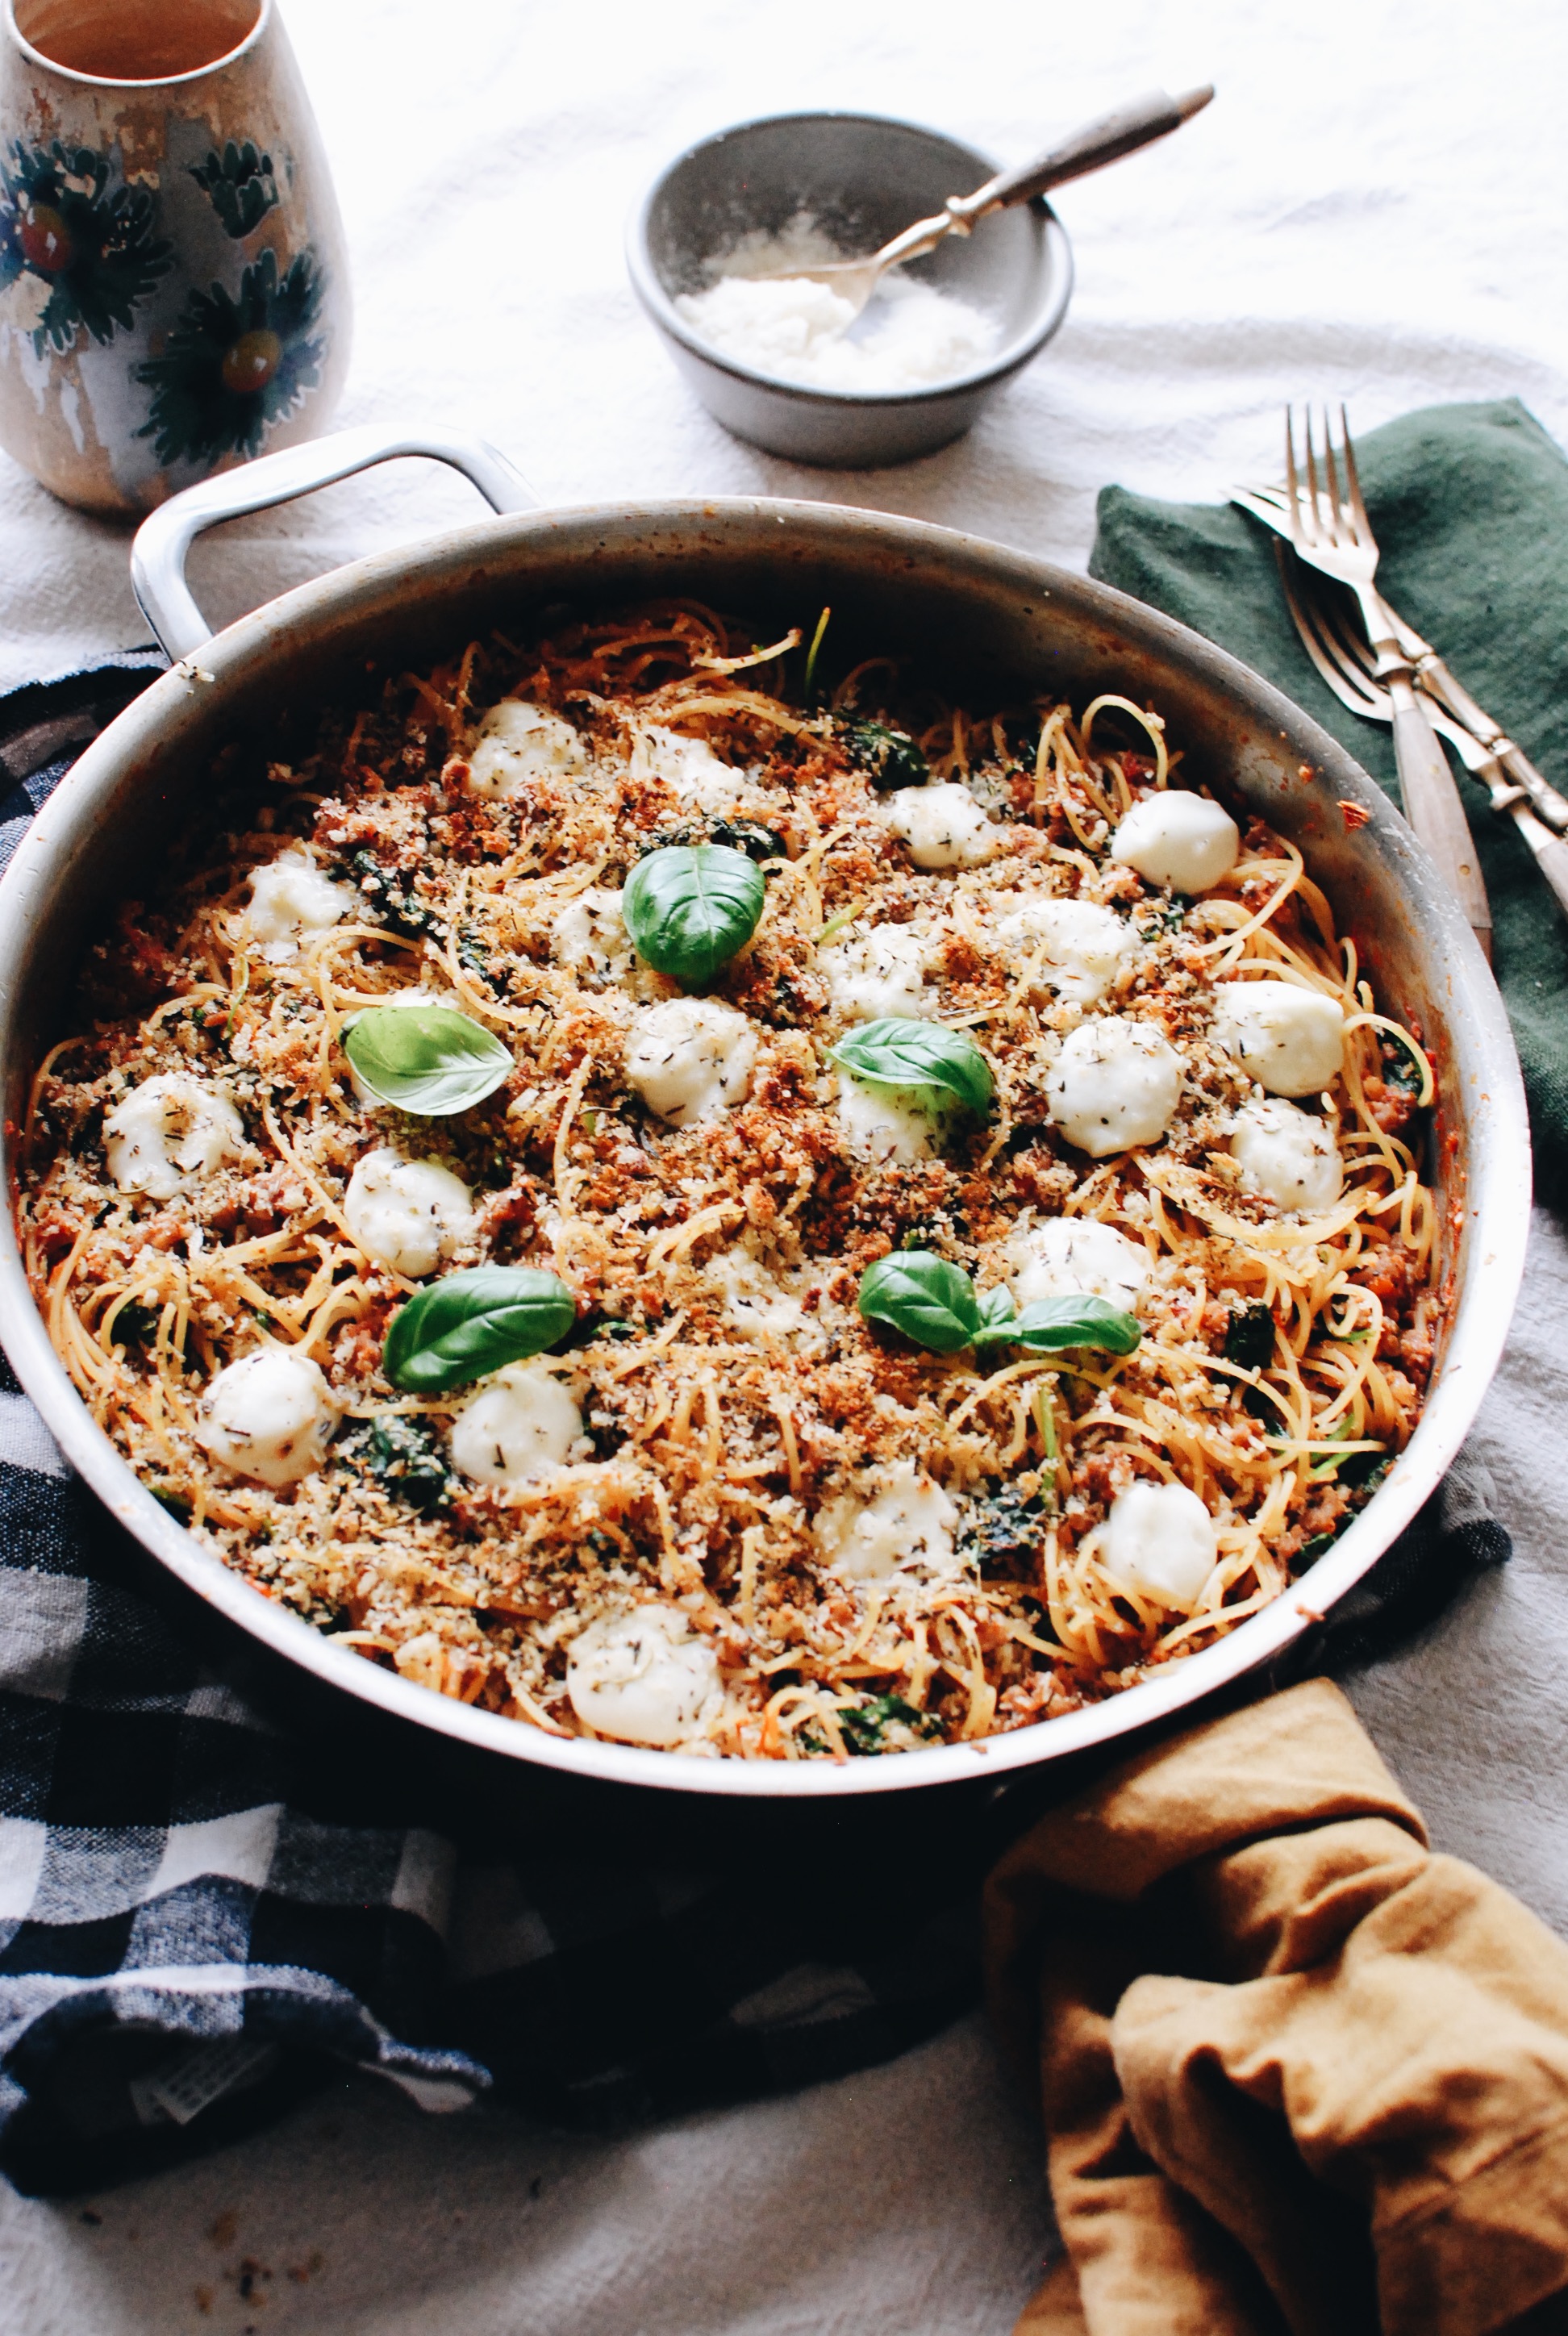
683 1214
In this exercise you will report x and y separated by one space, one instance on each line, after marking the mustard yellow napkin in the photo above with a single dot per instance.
1298 2073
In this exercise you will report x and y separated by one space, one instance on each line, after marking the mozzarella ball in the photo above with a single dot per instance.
694 771
886 1123
1288 1156
269 1416
642 1677
911 1523
520 1426
756 1305
407 1214
290 900
1116 1083
518 743
882 973
1158 1542
1179 838
1084 947
1290 1040
943 826
588 938
168 1133
690 1058
1073 1257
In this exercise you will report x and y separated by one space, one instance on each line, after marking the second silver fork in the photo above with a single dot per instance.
1348 666
1329 531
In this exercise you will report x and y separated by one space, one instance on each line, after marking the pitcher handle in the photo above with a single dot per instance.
159 554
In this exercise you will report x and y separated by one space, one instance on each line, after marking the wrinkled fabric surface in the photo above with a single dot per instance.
1297 2072
1369 210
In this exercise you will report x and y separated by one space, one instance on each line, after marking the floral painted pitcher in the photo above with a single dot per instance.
173 291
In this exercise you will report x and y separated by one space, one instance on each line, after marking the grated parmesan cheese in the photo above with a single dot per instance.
910 335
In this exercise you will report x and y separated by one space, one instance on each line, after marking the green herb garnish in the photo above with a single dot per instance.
895 1052
1004 1527
748 835
689 907
936 1305
429 1060
890 758
404 1457
1249 1337
863 1724
469 1324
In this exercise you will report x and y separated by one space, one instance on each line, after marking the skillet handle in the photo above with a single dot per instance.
157 554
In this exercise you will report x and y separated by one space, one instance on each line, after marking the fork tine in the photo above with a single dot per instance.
1312 478
1336 513
1303 528
1353 483
1349 684
1356 644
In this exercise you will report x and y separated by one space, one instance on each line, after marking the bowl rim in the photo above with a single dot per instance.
997 368
1496 1203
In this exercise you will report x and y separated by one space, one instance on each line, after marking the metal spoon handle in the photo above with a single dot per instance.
1136 124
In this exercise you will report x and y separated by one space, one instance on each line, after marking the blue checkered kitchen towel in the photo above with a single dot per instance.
202 1912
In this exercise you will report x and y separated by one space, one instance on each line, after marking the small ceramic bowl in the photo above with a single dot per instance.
863 179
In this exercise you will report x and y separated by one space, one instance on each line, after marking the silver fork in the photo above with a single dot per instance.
1272 506
1331 533
1349 668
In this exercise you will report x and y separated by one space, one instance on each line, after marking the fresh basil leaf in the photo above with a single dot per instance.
898 1053
429 1060
929 1300
469 1324
1077 1321
690 908
998 1316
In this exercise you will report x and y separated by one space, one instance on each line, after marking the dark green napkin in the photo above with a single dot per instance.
1470 507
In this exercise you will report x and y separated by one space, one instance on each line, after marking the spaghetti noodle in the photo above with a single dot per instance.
839 1543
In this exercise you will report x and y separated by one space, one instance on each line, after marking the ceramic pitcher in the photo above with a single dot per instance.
173 291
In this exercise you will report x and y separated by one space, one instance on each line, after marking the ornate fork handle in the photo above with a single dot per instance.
1348 663
1439 683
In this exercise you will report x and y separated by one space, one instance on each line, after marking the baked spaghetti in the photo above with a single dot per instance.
727 1511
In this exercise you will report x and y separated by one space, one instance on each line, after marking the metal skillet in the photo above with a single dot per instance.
994 616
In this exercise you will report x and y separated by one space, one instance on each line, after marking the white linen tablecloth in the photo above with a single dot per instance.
1372 209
